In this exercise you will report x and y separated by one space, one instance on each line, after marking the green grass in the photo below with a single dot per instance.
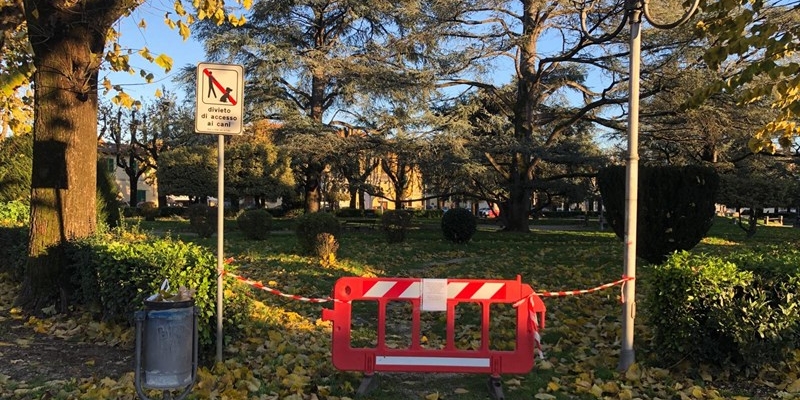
581 338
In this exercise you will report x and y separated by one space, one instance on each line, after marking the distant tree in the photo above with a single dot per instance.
400 164
563 170
189 171
255 167
124 128
553 92
357 158
310 57
757 184
168 125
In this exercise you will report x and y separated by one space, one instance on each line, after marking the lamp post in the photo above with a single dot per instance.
633 12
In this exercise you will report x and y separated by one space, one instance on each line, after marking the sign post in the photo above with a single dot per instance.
220 99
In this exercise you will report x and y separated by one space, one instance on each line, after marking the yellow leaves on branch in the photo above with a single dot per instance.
119 58
214 10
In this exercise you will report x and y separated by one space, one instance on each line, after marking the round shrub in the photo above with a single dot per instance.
148 210
458 225
202 220
312 224
395 223
255 224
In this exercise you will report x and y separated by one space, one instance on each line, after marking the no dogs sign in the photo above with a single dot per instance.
220 95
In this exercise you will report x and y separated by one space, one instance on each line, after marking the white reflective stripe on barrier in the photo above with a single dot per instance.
433 361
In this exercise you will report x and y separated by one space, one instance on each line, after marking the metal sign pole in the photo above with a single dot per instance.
220 236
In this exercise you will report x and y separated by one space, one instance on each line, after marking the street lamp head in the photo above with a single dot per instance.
630 10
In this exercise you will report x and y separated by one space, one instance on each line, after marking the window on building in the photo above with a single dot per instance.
141 196
111 164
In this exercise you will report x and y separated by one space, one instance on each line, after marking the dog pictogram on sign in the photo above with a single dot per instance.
219 98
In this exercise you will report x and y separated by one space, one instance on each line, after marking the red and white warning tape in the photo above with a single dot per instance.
259 285
584 291
533 319
533 323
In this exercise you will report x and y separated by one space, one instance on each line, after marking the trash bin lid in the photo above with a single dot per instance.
168 305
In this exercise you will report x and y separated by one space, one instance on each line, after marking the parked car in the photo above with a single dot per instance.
486 212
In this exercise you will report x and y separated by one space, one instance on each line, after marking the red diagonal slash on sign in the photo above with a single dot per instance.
219 86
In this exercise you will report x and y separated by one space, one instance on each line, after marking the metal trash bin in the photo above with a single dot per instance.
166 347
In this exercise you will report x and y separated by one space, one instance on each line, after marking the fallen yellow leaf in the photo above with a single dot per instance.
544 365
432 396
634 373
794 387
611 387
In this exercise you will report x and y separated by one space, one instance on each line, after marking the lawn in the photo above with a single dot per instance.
286 350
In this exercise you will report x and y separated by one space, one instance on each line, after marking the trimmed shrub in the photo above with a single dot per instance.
114 277
710 310
459 225
14 251
675 207
202 220
350 213
433 213
171 211
395 223
310 225
255 224
148 210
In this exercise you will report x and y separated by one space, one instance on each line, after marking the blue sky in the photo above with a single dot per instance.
159 39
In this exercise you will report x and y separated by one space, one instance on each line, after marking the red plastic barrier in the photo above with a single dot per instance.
449 359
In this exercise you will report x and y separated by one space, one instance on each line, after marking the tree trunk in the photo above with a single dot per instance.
311 192
68 40
362 200
64 156
353 191
520 176
133 191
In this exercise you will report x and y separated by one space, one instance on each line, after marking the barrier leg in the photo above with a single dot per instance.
496 388
368 383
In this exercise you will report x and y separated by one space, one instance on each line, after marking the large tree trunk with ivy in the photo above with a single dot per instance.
68 41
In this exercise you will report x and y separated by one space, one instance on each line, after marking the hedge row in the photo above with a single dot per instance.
114 276
742 309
